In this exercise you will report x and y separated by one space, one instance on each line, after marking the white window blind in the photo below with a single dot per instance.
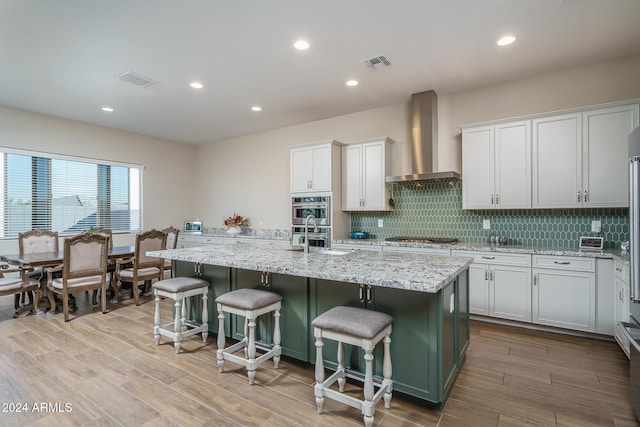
66 194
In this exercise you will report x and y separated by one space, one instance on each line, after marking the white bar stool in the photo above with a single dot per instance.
362 328
249 303
180 288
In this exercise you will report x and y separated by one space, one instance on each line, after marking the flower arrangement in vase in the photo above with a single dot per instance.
235 222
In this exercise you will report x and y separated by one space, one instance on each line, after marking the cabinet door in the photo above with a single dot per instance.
565 299
605 155
512 165
510 293
300 169
293 319
373 180
321 168
219 283
557 164
352 177
416 321
478 289
324 295
477 168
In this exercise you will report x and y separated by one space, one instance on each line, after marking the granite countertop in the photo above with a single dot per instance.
519 249
416 272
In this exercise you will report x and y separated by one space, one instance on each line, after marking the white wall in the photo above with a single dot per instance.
168 175
250 175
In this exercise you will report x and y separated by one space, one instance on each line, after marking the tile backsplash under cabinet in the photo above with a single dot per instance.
434 209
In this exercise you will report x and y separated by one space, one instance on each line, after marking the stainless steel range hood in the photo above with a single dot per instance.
424 121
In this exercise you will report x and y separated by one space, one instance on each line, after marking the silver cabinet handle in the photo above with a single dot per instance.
562 262
361 293
497 199
535 280
368 293
492 198
586 196
488 257
486 275
579 196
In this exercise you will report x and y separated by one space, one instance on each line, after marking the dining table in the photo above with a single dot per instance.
54 258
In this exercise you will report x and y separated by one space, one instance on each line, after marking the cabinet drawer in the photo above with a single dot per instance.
621 269
565 263
431 251
203 240
523 260
370 248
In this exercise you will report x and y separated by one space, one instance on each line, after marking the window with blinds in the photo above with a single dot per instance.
66 194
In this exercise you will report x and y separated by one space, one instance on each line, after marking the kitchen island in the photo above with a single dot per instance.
426 294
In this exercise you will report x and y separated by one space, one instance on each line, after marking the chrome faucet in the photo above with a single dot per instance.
306 231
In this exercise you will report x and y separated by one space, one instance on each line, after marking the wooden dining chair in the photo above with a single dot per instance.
172 243
111 264
35 241
143 268
84 267
19 285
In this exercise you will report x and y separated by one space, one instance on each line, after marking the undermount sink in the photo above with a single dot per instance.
323 251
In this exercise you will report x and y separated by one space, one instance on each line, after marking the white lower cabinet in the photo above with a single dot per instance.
564 292
499 285
621 280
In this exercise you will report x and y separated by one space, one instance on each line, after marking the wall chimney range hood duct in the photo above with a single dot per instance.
424 123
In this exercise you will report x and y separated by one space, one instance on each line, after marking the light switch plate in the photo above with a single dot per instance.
486 224
596 226
380 223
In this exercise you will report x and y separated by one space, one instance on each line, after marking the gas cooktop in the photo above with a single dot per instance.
435 240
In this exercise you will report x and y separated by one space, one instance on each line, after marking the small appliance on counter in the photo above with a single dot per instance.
193 227
591 243
359 235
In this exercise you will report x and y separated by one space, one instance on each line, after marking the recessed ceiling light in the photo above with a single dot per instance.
352 83
107 109
196 85
256 108
301 45
506 40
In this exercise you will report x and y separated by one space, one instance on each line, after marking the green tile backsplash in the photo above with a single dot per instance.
434 209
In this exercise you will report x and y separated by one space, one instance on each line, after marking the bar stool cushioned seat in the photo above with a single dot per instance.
362 328
180 288
249 303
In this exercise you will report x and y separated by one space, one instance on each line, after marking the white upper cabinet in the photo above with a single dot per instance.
572 159
365 167
312 167
557 164
496 166
581 160
605 159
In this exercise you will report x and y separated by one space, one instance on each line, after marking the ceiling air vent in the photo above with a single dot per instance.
135 79
376 62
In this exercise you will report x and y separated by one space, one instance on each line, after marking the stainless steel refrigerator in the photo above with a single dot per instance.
632 328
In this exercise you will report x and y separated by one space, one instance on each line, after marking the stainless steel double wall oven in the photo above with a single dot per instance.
320 207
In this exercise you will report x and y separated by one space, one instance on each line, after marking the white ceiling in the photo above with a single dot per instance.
62 57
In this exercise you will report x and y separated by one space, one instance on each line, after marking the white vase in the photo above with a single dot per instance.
234 230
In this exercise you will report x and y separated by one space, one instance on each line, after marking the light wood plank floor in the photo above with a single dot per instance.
104 370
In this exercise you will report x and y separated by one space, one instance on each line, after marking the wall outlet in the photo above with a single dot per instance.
486 224
380 223
596 226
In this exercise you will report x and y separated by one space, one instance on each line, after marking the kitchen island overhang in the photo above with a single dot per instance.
426 294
